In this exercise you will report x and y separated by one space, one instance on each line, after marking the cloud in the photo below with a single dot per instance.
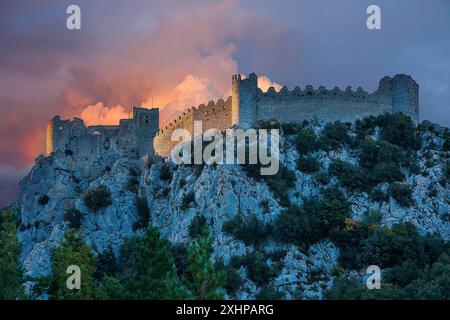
98 114
192 91
265 83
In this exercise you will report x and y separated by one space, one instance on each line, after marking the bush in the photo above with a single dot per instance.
233 280
165 173
257 269
402 193
133 184
143 213
399 129
386 172
74 217
43 200
322 177
280 182
314 221
373 152
269 293
98 198
350 176
446 144
378 195
251 231
306 141
188 198
308 164
334 135
196 226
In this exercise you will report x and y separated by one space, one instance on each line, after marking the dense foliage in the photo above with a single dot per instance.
98 198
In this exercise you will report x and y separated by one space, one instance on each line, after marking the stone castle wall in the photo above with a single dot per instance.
140 136
131 138
248 105
213 115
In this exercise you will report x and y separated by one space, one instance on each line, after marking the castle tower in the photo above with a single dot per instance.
147 125
243 100
405 96
50 143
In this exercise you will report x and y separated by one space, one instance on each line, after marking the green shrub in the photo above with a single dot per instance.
378 195
413 166
196 226
306 141
334 135
188 198
386 172
365 127
446 144
251 231
322 177
308 164
399 129
314 221
165 173
269 293
257 269
98 198
43 200
106 265
74 217
402 193
374 152
143 213
280 182
350 176
132 184
233 280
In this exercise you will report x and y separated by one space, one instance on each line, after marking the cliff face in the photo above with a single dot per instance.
58 183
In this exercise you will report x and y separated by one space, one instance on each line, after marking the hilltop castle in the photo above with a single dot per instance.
247 106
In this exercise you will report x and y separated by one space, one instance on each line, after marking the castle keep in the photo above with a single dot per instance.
131 138
248 105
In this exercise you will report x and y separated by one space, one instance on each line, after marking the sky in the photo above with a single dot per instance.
178 54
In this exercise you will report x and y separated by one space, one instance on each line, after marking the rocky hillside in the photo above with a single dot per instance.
287 236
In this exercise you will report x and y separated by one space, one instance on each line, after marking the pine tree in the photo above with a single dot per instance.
11 276
204 281
72 251
152 272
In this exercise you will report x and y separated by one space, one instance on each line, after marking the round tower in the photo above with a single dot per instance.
405 96
243 100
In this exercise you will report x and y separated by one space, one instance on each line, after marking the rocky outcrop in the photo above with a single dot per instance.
58 183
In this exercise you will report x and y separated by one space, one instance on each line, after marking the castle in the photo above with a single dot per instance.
131 138
247 106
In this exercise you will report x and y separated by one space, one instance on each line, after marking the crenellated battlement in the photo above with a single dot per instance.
246 106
